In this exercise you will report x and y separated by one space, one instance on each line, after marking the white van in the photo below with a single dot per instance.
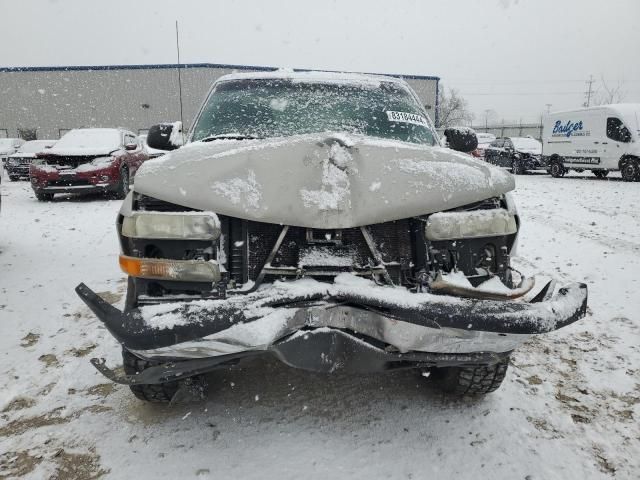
599 139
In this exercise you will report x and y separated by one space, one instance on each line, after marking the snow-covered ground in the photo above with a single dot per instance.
569 408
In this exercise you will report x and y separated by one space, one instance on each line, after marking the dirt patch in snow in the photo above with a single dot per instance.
53 417
81 352
49 359
79 466
19 403
18 464
21 425
102 389
66 465
29 340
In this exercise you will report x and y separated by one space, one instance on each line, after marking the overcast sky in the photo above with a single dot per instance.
512 57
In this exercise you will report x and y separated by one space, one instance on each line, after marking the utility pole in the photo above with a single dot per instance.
589 91
486 116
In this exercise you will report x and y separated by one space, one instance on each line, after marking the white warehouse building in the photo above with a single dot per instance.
46 102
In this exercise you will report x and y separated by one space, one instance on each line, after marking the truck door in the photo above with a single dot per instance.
614 145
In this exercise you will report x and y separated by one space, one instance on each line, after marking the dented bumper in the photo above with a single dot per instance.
292 324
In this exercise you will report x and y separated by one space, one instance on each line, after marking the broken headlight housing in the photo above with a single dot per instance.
471 224
172 226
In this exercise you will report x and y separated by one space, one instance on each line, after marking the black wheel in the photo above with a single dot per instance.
156 393
13 178
600 173
517 168
123 185
44 197
556 169
471 380
630 170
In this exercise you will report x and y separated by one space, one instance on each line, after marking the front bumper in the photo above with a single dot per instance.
534 163
319 329
51 180
17 170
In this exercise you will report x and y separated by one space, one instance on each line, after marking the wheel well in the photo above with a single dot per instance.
555 158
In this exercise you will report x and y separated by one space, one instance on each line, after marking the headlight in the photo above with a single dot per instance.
172 226
12 162
474 224
102 161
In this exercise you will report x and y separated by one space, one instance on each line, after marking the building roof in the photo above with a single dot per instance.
80 68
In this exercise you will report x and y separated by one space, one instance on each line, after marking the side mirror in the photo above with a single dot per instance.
130 146
461 139
165 136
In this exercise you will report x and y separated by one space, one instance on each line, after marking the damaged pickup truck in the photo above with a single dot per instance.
317 218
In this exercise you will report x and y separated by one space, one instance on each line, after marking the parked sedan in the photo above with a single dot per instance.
18 163
9 146
88 160
520 154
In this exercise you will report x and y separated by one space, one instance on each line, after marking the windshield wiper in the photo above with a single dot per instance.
229 136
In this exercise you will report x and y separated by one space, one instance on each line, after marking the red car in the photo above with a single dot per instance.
88 160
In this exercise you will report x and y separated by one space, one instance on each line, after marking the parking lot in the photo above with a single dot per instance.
569 407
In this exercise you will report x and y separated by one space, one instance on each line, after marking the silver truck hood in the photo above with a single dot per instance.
320 180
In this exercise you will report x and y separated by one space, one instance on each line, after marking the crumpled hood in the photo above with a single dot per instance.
320 180
531 151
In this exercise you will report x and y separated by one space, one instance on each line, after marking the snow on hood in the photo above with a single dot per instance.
320 180
87 142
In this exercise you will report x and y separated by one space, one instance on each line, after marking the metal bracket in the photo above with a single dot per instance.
376 254
267 263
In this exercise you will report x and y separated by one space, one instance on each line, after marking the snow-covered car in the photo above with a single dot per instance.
9 146
316 218
88 160
520 154
17 165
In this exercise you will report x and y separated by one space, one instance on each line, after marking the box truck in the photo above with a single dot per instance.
600 139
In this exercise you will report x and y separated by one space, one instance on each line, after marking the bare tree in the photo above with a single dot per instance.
609 93
452 109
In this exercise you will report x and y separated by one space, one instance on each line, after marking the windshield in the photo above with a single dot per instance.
103 139
525 143
283 107
34 146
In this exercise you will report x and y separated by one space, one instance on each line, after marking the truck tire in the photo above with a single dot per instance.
630 170
44 197
480 380
556 168
154 393
122 188
600 173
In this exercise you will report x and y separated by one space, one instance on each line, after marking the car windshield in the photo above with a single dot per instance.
526 143
106 139
34 146
284 107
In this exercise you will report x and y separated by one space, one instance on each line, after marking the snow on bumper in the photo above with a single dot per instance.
410 322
